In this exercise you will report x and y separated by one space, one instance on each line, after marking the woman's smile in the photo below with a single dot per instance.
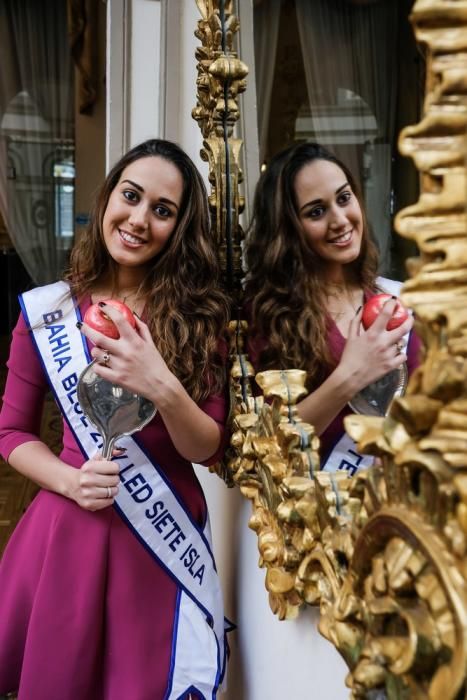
130 239
342 239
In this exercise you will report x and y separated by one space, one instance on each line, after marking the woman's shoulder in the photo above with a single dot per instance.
43 299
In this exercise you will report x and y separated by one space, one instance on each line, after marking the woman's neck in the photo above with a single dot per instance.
339 281
126 285
125 280
343 297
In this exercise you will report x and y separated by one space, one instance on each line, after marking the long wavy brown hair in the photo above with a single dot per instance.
284 290
186 309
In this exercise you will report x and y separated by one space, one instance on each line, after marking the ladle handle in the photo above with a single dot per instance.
108 446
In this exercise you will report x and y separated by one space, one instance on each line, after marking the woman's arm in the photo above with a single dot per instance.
367 356
321 406
195 435
136 364
87 486
37 462
20 443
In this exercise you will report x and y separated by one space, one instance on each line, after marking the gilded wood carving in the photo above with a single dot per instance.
384 554
221 78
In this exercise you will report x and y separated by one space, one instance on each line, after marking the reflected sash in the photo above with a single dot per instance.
146 502
344 455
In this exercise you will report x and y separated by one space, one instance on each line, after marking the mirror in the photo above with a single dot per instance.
383 553
349 75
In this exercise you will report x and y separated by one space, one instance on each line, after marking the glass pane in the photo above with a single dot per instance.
64 179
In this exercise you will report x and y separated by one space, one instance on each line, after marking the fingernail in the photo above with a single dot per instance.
101 303
358 310
78 325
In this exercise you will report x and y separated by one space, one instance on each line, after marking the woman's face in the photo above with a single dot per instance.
329 213
142 211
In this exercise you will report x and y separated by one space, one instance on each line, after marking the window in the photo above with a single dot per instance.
64 188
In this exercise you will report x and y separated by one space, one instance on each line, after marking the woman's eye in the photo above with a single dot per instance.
316 212
344 197
130 195
162 211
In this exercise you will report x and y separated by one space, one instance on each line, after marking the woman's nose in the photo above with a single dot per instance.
338 218
138 216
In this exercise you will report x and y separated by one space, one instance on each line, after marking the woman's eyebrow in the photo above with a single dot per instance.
165 200
346 184
318 201
135 185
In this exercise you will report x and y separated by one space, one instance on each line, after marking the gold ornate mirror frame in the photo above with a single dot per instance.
384 553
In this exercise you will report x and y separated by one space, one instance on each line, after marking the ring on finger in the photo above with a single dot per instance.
109 492
105 359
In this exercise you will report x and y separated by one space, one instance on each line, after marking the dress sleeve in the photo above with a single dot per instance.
414 348
216 406
25 390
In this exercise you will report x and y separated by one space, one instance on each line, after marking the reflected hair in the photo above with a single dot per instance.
186 309
284 288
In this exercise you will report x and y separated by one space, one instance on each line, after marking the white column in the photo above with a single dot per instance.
180 79
145 63
117 80
135 63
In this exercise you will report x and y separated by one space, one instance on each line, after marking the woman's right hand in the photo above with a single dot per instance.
96 484
370 354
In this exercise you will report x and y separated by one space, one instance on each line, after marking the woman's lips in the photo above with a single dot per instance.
130 239
342 240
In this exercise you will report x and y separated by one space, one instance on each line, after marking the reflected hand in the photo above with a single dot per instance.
369 355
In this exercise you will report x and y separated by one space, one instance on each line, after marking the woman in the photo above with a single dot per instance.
311 267
101 602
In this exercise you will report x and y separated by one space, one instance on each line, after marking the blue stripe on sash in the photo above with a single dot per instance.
174 645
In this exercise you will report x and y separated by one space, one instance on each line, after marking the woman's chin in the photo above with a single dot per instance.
344 256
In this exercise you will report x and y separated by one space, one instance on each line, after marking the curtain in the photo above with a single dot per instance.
82 32
350 58
36 132
266 31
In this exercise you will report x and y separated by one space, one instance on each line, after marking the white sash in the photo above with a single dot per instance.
145 501
344 455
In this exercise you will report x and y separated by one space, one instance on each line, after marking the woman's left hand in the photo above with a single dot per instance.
132 361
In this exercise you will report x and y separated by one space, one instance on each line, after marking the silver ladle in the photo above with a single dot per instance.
376 398
114 411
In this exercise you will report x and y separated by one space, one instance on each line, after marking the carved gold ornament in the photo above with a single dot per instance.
384 554
221 78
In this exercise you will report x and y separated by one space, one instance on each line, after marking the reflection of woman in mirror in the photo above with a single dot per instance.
311 266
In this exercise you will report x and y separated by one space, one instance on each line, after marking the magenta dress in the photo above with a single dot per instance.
85 612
